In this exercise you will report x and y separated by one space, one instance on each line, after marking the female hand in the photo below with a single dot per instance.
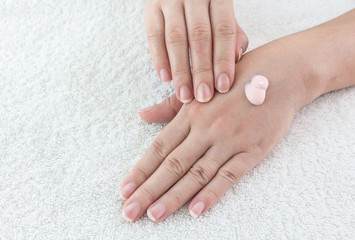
207 148
209 29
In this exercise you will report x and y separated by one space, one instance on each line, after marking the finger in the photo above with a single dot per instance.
167 140
169 172
224 43
242 43
228 175
177 46
154 21
194 180
200 41
162 112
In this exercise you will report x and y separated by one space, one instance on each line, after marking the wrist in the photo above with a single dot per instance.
328 56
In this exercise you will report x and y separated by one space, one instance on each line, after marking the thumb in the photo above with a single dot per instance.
162 112
242 43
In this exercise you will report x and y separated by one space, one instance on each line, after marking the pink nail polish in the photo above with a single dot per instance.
164 75
197 209
223 83
127 190
156 212
203 93
131 211
185 94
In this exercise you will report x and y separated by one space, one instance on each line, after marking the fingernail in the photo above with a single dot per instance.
223 83
156 212
127 190
164 75
203 93
131 211
197 209
185 94
146 109
240 54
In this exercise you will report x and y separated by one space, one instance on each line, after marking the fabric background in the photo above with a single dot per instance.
73 75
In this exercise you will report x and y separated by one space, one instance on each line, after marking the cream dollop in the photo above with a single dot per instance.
255 90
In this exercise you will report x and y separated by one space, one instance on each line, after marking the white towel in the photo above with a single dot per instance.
73 75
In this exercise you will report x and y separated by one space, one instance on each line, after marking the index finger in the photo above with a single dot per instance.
154 21
224 43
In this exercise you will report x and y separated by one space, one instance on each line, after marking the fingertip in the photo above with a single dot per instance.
145 114
165 76
223 83
122 197
150 216
157 114
123 214
240 54
185 94
196 209
204 93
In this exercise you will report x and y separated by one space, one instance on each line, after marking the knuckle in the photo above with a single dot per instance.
201 69
231 176
159 149
201 174
157 57
175 36
176 198
148 194
154 34
225 29
225 60
175 166
257 146
200 34
212 195
141 172
181 72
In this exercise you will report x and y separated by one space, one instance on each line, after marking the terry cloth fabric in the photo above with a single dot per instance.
73 75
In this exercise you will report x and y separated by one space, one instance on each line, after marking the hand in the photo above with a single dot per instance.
209 29
207 148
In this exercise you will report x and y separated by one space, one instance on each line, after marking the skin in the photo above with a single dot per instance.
209 29
207 148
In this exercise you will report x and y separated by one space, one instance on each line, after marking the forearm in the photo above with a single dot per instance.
330 61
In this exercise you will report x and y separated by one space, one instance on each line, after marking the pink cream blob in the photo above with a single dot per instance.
255 90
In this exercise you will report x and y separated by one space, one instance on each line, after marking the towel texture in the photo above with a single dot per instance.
73 75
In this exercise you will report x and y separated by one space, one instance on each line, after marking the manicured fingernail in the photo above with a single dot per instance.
203 93
146 109
223 83
127 190
165 76
131 211
156 212
240 54
185 94
197 209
